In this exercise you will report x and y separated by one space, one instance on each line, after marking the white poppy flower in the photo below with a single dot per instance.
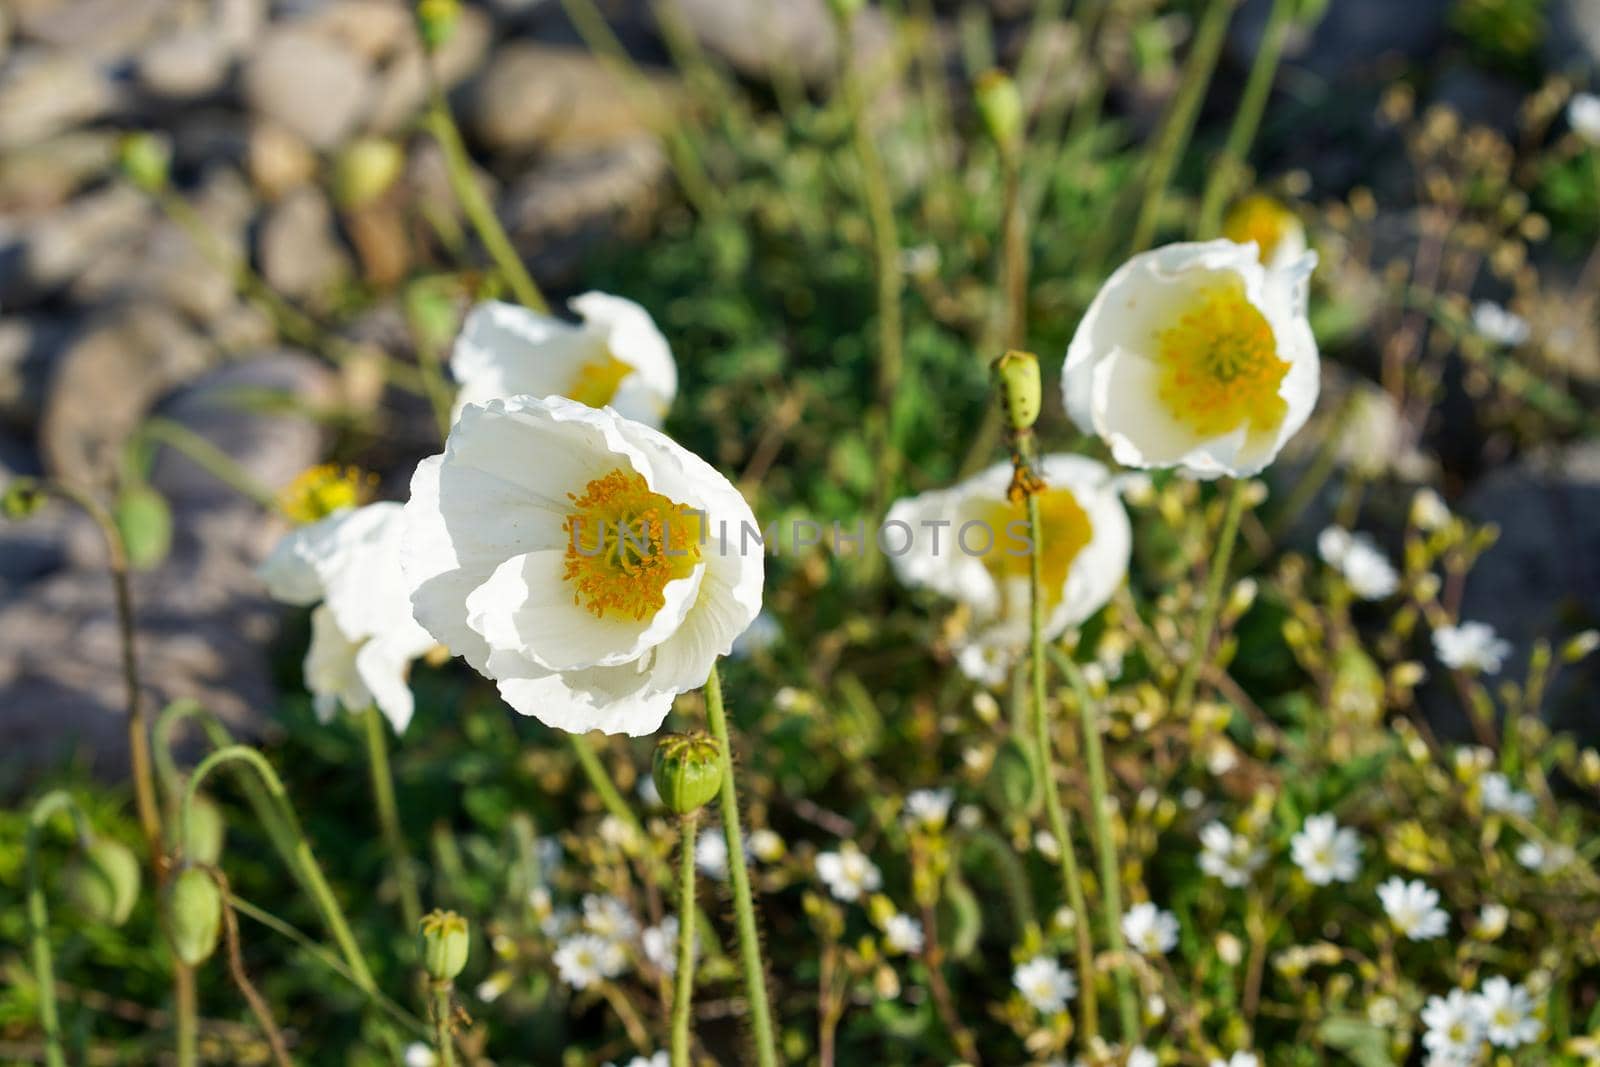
848 873
970 543
1196 356
614 358
1045 984
1150 929
1506 1011
584 959
1413 908
1499 325
589 565
903 934
1471 646
1325 852
363 637
1583 114
1454 1028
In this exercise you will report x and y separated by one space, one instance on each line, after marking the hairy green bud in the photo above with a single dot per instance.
207 830
146 160
445 943
104 881
1000 105
1016 374
194 915
145 522
1012 786
688 771
22 497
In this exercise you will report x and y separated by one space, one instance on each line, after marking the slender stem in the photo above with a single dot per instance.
301 858
186 1016
394 838
241 978
44 972
1247 117
1059 825
1200 643
683 992
600 779
458 167
755 977
1179 124
209 458
1110 872
1016 251
443 1043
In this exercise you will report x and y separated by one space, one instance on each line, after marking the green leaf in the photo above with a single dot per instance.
1363 1043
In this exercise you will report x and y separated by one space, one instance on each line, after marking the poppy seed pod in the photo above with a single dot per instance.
104 881
687 771
194 915
1017 375
444 944
1000 105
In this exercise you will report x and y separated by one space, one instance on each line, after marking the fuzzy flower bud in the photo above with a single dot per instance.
1017 376
104 881
1001 107
687 771
194 915
444 944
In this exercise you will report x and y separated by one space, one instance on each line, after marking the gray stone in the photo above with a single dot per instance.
571 189
43 93
534 95
300 254
28 350
308 83
1572 35
42 176
1350 38
188 64
98 29
756 36
402 87
44 254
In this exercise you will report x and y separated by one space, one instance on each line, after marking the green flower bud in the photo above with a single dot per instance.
1001 107
145 523
365 170
687 771
1357 693
146 160
444 944
845 10
206 831
436 21
22 497
104 881
1013 787
1017 376
960 918
194 915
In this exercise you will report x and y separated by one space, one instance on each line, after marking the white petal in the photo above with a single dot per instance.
330 667
1101 566
1128 415
509 350
613 700
383 669
632 336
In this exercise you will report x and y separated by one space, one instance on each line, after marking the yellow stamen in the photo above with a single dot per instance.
625 543
318 492
1261 219
1219 364
596 382
1065 532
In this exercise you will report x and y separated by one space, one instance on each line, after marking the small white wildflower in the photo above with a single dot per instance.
1500 796
1325 852
1506 1011
1499 325
558 923
608 917
493 987
766 846
1191 798
1531 855
1454 1027
660 945
1583 115
1492 920
660 1059
1046 843
1150 929
711 855
649 795
928 809
1365 568
584 959
1139 1056
1045 984
969 817
848 873
1238 1059
419 1055
1413 908
1536 857
613 831
1470 646
903 934
1429 511
1226 856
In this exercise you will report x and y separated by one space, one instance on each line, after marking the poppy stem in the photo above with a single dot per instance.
683 991
394 839
1200 642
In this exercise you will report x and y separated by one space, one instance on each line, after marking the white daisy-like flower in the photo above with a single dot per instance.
608 917
1500 796
1413 909
1139 1056
848 873
494 987
1045 984
1583 115
711 855
1228 857
1506 1011
1499 325
660 944
1536 857
1238 1059
584 959
1454 1027
1150 930
1325 852
903 934
1269 224
363 638
1471 646
766 845
1492 920
1365 568
614 358
970 543
1429 511
1198 357
659 1059
928 809
419 1055
589 565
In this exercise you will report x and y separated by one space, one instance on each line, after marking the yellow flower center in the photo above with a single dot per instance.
1219 364
318 492
625 543
596 382
1260 219
1065 530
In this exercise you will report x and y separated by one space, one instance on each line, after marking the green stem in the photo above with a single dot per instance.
458 167
600 779
1110 872
1247 118
209 458
1059 826
683 992
394 838
443 1043
44 971
1200 642
301 858
186 1021
755 977
1179 124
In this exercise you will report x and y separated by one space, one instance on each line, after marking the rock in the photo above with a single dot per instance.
308 83
105 381
28 350
238 22
1349 38
203 621
568 190
371 29
42 94
402 87
96 29
279 159
562 98
188 64
300 255
42 176
47 253
1572 34
754 36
